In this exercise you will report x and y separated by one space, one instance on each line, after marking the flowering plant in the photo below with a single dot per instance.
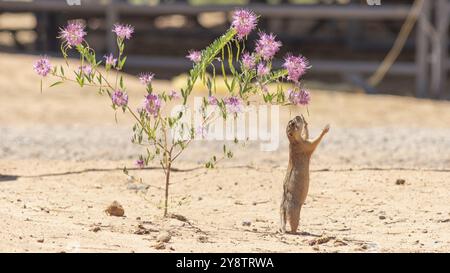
251 73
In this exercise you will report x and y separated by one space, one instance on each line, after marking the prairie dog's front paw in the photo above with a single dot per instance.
304 120
326 129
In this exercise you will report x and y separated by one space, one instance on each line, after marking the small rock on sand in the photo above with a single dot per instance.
340 243
322 240
95 229
400 182
202 239
178 217
115 209
137 187
164 237
160 246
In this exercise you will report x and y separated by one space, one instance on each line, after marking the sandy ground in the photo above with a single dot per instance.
61 155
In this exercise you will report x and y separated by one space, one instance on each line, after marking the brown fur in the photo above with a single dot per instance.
296 182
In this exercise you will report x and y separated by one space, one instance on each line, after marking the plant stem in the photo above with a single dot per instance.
166 196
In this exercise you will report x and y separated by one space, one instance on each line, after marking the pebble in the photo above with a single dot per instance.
163 237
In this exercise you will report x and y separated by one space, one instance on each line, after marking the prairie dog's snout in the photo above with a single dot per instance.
296 122
299 119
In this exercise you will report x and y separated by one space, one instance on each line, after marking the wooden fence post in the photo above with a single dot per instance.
422 51
440 48
112 17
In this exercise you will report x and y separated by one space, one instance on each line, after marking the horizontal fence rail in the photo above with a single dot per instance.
430 67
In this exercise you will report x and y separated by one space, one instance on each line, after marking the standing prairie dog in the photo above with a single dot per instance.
296 182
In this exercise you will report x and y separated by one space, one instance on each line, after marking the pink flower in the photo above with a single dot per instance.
248 61
146 78
73 34
244 21
140 163
305 97
267 45
262 70
110 60
194 55
42 66
212 100
86 69
173 95
119 98
296 67
293 97
233 105
152 104
123 31
302 97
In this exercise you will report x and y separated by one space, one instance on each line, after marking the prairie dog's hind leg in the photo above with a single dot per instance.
282 218
294 216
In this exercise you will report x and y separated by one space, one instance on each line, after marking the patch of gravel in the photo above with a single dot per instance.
370 147
67 143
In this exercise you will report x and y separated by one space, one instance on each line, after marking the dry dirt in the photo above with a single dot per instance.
62 154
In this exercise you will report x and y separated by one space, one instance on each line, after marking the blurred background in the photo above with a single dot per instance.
346 40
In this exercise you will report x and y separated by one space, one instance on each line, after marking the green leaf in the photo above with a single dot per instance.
230 59
122 63
121 82
275 75
56 83
208 56
121 45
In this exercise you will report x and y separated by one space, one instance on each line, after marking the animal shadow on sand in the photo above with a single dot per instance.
8 178
302 233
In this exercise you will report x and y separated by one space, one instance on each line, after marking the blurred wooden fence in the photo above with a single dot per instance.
430 66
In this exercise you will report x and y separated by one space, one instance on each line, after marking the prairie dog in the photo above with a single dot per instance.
296 182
